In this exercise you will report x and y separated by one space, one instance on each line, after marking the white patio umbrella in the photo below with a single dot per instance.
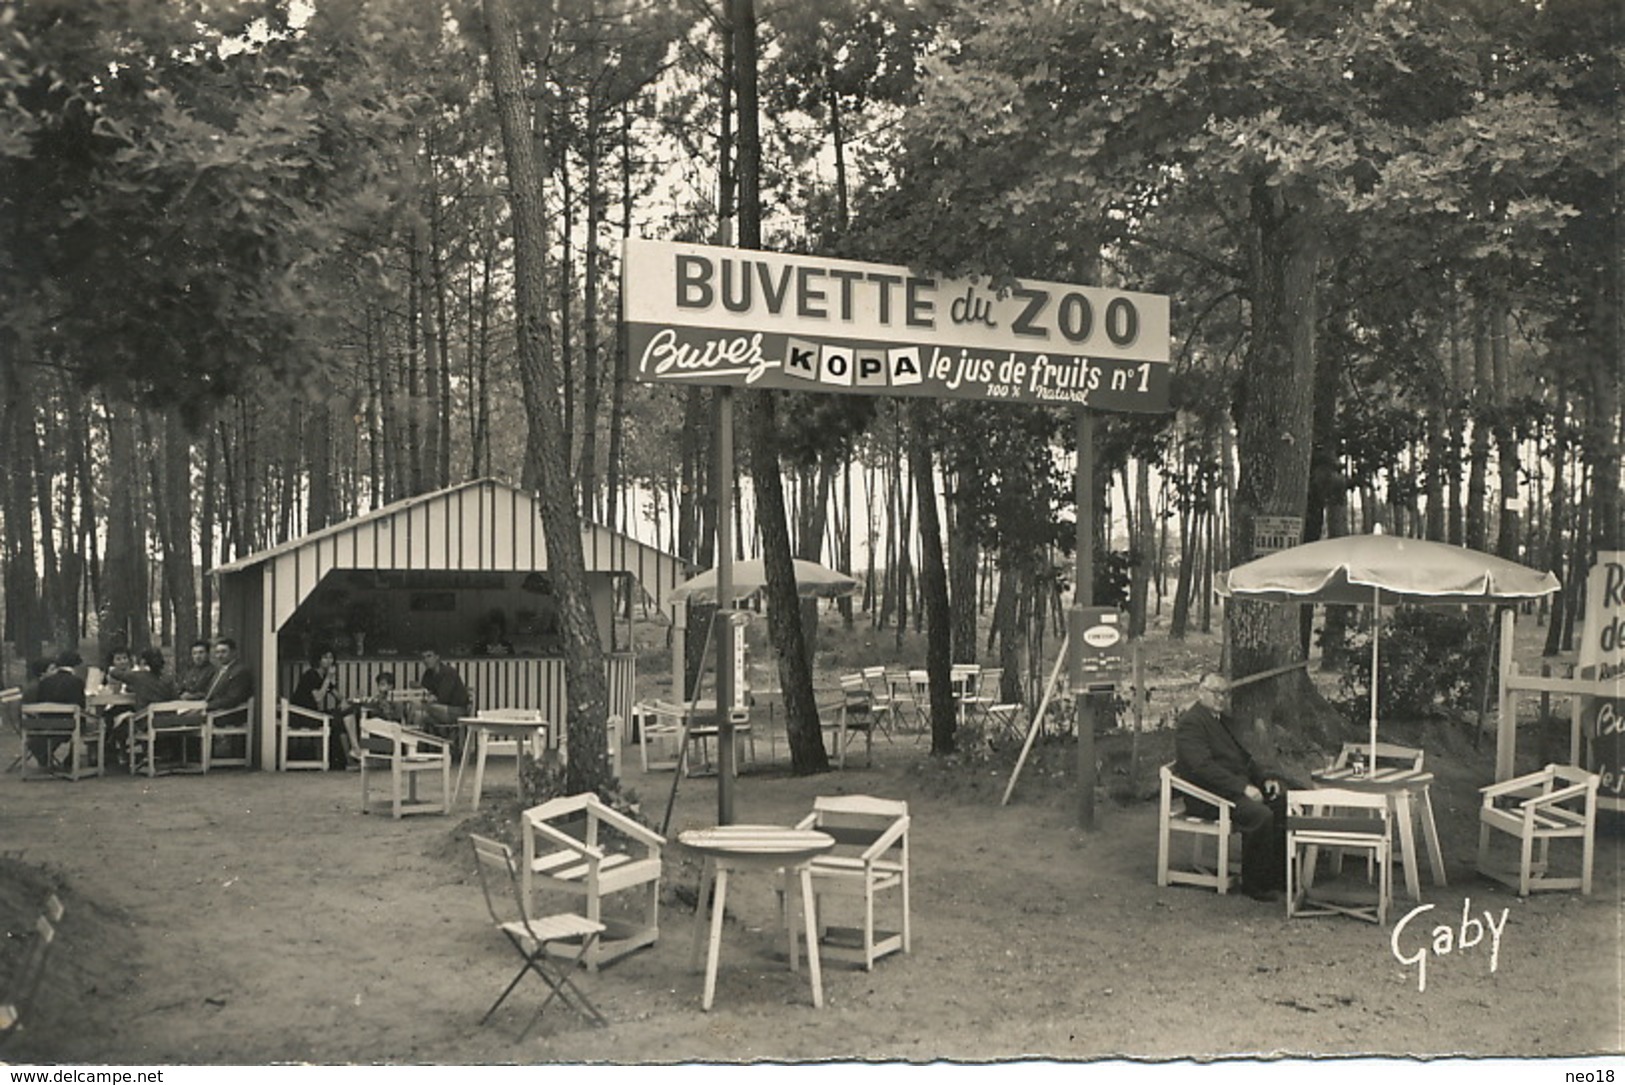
1385 570
813 581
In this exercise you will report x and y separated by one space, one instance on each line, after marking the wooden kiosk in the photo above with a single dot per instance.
462 570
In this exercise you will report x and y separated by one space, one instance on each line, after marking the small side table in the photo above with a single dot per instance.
736 848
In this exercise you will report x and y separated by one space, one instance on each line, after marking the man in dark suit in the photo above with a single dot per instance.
1210 755
231 686
62 683
233 683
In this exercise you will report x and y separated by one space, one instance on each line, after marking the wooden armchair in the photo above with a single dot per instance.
660 728
1557 803
231 736
870 858
1175 816
405 754
183 721
302 737
568 850
62 741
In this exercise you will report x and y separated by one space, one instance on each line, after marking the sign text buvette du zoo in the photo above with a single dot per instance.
742 317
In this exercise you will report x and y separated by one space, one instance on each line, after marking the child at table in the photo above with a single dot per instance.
380 706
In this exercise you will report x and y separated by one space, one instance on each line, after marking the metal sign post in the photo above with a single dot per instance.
1083 595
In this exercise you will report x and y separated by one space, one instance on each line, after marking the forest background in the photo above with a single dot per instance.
259 276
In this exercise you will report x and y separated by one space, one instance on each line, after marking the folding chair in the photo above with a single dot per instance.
858 715
919 695
885 704
530 936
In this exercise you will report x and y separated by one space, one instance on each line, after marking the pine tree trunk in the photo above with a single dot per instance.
178 555
1479 455
1275 439
1509 528
783 615
24 614
933 580
591 355
588 768
126 621
963 557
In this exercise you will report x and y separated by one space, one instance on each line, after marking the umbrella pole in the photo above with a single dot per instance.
1376 636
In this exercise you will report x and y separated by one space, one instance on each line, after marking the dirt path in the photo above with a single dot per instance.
256 918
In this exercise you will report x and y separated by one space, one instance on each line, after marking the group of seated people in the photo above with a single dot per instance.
212 676
317 691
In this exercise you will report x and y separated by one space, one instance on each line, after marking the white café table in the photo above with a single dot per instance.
477 731
734 848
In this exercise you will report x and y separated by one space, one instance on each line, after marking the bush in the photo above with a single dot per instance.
1431 660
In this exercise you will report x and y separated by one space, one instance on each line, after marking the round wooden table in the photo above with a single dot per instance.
730 848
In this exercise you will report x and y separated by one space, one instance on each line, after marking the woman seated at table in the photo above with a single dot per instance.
317 691
119 660
146 683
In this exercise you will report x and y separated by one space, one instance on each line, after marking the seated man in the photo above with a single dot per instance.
448 698
193 678
62 683
59 684
233 683
1210 755
231 686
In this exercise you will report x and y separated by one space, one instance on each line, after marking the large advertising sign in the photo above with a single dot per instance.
713 315
1602 660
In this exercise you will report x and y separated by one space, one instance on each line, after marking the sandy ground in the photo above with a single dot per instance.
252 918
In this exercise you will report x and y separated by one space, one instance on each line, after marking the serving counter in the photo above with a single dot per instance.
535 682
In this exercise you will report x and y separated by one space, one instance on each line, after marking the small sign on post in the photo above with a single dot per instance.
1098 643
1272 533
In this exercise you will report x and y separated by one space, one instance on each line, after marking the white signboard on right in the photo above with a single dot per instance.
1602 660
